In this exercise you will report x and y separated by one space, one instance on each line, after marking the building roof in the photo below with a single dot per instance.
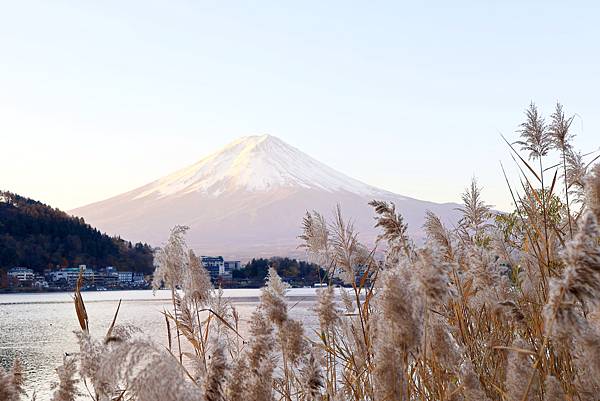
212 258
20 270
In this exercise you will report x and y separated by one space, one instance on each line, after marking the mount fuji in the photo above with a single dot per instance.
248 200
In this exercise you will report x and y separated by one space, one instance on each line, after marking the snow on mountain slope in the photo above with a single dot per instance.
255 163
247 200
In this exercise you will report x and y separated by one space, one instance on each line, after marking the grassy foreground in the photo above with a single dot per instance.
502 307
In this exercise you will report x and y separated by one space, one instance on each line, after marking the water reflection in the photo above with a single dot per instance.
38 328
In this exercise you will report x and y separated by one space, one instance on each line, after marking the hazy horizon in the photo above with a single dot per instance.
98 99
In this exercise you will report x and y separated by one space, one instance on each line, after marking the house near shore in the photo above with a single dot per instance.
21 274
129 277
219 268
103 277
69 275
24 277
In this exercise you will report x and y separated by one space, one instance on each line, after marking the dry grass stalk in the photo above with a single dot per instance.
480 312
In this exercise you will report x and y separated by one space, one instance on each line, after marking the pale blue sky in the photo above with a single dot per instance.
97 98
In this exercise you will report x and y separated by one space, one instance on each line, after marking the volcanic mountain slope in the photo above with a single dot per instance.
248 200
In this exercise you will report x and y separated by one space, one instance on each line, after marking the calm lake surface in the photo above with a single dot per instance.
38 328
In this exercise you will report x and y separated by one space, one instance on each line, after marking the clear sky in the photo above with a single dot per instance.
97 98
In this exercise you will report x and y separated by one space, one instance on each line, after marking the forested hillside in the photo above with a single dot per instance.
38 236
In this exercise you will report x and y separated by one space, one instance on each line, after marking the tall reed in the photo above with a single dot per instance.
502 307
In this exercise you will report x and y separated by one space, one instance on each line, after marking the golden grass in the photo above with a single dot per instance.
503 307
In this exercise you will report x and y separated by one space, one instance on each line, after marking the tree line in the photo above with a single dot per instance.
38 236
291 270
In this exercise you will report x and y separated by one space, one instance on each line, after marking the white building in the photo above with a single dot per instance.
40 282
214 265
231 265
71 274
138 278
125 277
217 267
21 274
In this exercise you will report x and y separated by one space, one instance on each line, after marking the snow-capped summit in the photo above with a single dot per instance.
255 163
248 200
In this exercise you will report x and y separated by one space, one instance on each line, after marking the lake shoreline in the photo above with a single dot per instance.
37 328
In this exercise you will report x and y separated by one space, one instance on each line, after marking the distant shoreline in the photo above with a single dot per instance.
25 290
95 297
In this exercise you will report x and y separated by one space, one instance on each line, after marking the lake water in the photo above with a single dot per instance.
38 328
